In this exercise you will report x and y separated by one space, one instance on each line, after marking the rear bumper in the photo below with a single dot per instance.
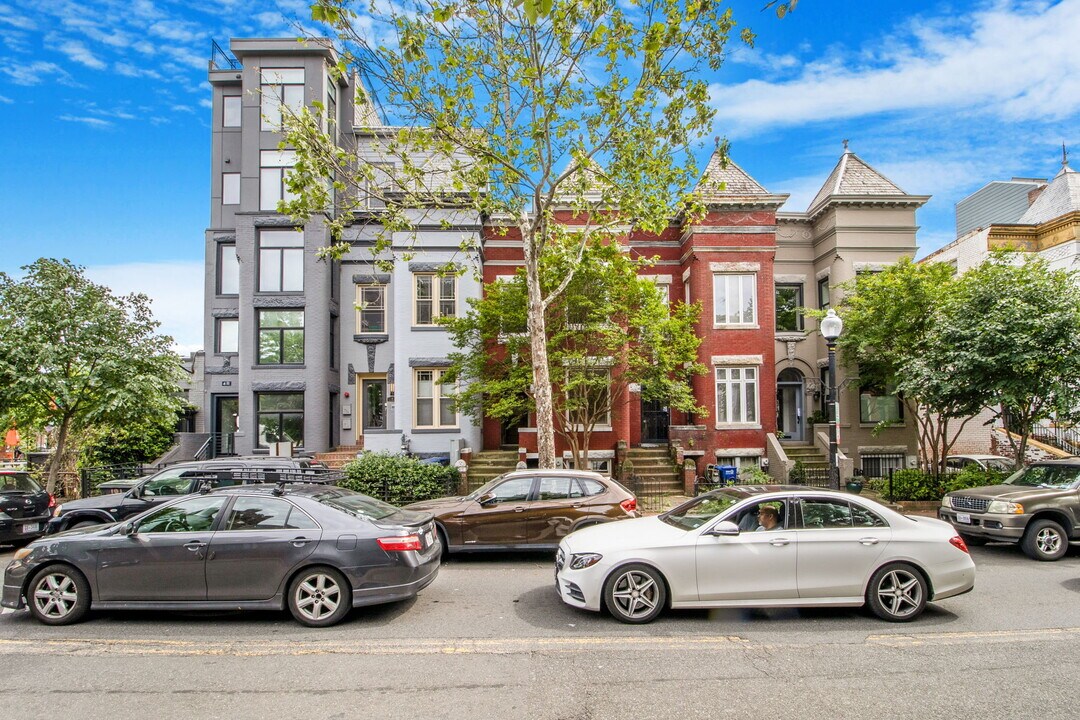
952 578
419 578
18 528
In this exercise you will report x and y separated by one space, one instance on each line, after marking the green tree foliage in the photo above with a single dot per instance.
398 479
74 356
1011 329
534 112
607 329
139 442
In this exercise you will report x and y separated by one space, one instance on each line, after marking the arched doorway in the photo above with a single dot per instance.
790 388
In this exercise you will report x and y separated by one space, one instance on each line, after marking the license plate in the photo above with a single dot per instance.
428 540
964 518
30 527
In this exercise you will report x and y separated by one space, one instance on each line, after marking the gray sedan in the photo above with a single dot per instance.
315 549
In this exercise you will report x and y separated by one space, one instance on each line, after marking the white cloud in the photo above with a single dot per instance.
10 16
6 100
80 54
1014 59
175 289
35 73
177 30
91 121
129 70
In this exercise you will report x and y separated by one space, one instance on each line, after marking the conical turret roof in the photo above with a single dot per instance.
852 177
725 182
1060 197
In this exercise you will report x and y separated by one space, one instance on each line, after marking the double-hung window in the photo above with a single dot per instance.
435 296
282 89
735 299
274 165
736 395
371 309
434 401
281 261
281 337
789 298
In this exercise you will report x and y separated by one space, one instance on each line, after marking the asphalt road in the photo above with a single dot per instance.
490 639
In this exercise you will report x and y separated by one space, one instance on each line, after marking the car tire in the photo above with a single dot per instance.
445 544
319 597
1045 540
897 593
58 595
972 541
635 594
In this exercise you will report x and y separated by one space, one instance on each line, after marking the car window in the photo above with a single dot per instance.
18 482
167 482
591 487
954 463
556 488
695 513
513 490
749 519
258 513
356 504
1059 477
194 515
864 517
999 465
819 514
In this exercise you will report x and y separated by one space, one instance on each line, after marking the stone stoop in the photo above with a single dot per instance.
339 456
655 469
809 455
489 464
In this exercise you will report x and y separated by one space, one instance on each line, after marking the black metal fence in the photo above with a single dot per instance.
653 495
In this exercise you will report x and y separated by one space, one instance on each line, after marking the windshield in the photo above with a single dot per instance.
998 465
699 511
356 504
1059 477
18 482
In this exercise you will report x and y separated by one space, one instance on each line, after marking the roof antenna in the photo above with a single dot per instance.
1064 156
845 145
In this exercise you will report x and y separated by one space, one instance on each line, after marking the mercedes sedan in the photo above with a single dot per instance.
765 546
317 550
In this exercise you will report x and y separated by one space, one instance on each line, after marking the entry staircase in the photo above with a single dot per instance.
339 456
813 460
489 464
655 470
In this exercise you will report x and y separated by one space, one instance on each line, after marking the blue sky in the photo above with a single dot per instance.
106 139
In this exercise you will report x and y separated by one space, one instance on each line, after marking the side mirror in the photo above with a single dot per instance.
128 529
487 499
724 529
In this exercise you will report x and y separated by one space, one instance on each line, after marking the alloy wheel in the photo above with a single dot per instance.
1048 540
636 594
900 592
317 597
55 596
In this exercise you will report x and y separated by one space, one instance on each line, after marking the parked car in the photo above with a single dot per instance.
528 509
828 549
956 463
24 507
1037 507
122 485
180 479
318 550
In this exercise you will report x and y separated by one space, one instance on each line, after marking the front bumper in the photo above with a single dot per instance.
580 588
991 526
14 578
23 528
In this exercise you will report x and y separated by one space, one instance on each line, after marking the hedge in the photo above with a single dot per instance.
917 485
399 479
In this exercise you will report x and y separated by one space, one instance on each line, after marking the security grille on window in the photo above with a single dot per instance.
789 298
228 270
280 418
434 400
371 308
736 395
734 299
274 165
878 466
228 335
436 296
281 261
281 337
280 88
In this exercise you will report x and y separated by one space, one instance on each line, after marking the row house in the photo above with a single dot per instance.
326 354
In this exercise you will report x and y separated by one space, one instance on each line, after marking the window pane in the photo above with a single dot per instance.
424 416
270 107
269 347
281 401
751 401
424 384
258 514
230 188
719 299
269 188
292 428
423 287
554 488
423 312
826 514
447 287
293 346
748 295
736 403
282 76
788 298
514 490
281 239
372 321
228 336
446 412
292 270
721 402
294 98
195 515
230 270
231 111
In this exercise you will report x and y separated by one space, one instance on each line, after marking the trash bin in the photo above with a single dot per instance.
728 474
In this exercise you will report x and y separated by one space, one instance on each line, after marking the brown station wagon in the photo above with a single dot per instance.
528 510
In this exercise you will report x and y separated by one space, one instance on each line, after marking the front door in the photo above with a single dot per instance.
502 520
165 558
789 404
655 418
752 565
226 423
373 398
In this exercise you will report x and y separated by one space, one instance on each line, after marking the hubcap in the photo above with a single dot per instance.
900 593
55 595
635 594
1048 541
318 596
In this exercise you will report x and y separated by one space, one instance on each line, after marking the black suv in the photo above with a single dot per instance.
183 479
1038 507
24 507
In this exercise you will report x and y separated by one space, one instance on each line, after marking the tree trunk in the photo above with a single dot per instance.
545 416
57 456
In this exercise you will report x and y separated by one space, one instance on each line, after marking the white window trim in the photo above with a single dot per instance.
744 424
436 297
436 400
753 324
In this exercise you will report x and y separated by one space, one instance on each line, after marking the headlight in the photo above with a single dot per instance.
21 553
1007 508
946 502
57 510
580 561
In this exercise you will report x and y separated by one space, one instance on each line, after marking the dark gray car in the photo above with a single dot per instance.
316 549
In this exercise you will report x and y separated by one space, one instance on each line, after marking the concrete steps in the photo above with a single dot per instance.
809 455
655 469
489 464
339 456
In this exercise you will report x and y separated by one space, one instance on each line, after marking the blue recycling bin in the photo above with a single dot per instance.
728 474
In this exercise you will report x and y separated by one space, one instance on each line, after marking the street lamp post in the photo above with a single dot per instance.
831 327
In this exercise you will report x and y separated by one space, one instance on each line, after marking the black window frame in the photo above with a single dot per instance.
259 413
281 330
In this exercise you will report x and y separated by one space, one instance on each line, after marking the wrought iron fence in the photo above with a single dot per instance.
652 495
880 466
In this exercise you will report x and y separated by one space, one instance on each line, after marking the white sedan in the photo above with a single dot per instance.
765 546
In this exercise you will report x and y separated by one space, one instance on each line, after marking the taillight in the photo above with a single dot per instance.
629 505
958 542
400 544
52 501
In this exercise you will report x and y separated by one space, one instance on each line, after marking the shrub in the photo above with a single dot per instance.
973 476
399 479
915 485
753 475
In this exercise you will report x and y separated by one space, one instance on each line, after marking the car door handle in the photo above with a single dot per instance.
779 542
577 505
519 509
195 545
868 541
300 541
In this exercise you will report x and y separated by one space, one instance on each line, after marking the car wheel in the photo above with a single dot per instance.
58 595
319 597
1045 540
445 544
972 541
897 593
635 594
